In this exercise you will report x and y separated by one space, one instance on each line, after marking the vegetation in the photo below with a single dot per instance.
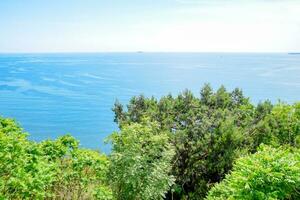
182 147
210 132
141 162
268 174
50 169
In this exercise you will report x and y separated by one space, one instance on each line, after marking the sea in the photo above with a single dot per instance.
58 93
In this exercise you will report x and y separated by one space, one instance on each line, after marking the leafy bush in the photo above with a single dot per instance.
284 124
49 170
140 162
268 174
24 174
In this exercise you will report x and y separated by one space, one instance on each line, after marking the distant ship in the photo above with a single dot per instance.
140 52
295 53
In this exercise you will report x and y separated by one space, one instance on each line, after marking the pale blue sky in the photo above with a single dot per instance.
149 25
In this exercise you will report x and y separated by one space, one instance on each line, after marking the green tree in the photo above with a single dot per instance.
140 162
208 132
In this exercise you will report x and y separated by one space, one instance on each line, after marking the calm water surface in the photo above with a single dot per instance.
53 94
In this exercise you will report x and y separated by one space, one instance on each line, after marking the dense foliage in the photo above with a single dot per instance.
141 162
175 147
209 132
50 169
268 174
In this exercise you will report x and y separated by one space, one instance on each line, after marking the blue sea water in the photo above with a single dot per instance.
54 94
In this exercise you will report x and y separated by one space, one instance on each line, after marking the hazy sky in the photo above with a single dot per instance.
149 25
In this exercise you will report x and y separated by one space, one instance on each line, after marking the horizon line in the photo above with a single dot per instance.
90 52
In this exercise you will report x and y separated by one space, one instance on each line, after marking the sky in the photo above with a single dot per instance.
150 25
